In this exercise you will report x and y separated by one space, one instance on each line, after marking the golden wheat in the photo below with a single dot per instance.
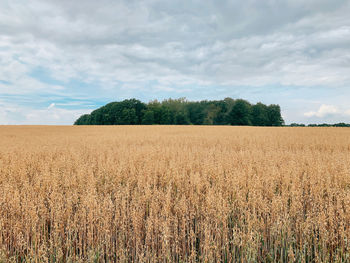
174 194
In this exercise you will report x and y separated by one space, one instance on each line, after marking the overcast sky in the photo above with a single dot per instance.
60 59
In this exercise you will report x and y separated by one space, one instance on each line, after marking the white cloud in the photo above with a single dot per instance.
51 106
323 111
132 41
50 116
15 114
177 46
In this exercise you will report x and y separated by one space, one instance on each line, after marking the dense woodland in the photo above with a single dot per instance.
183 112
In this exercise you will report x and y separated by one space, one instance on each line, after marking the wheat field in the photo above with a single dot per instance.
174 194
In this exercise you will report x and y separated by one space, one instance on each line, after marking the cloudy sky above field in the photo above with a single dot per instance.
60 59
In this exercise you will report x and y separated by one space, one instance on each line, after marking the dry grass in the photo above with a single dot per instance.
174 194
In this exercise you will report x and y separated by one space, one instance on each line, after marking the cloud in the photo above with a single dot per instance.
51 115
14 114
323 111
286 42
51 106
108 50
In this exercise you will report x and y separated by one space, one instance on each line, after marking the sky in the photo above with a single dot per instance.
61 59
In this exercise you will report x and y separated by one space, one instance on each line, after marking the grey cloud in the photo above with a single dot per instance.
175 43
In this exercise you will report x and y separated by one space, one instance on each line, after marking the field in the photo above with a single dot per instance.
174 194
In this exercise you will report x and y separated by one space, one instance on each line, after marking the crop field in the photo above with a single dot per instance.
174 194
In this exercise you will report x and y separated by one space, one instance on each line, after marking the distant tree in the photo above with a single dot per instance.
181 118
96 117
156 108
83 120
260 115
211 112
167 116
175 112
342 124
124 112
240 113
274 115
297 125
196 112
229 102
221 113
148 117
129 116
180 111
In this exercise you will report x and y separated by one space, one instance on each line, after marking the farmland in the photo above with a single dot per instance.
174 194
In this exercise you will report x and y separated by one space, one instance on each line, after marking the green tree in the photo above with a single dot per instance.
181 118
180 111
240 113
156 107
221 111
83 120
196 112
212 111
148 117
274 115
260 115
129 116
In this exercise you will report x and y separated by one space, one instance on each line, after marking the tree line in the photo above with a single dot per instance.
341 124
183 112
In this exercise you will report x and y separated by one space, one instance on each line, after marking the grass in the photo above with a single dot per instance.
174 194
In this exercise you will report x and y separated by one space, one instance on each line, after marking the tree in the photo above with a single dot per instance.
212 111
221 110
181 112
240 113
129 116
196 112
274 115
229 102
156 108
148 117
167 116
297 125
181 118
83 120
260 115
